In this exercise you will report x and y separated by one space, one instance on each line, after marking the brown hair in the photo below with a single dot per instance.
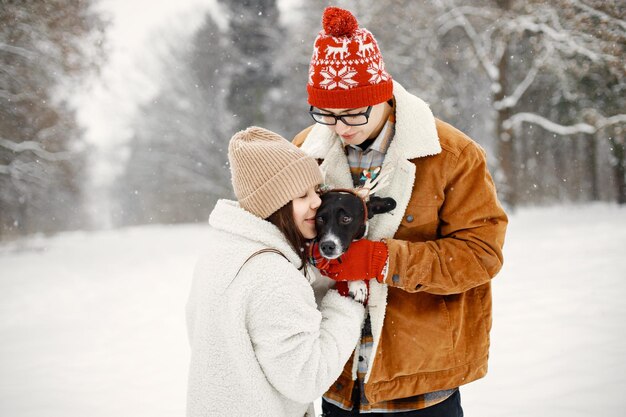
283 219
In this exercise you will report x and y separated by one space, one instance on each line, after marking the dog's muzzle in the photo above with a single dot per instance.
330 247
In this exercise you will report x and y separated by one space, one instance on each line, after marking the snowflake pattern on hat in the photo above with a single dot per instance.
338 79
377 69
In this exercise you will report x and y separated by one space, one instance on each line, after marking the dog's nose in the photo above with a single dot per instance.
328 247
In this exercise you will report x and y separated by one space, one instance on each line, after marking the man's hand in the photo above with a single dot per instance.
364 260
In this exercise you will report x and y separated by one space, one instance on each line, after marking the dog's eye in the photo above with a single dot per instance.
345 219
319 220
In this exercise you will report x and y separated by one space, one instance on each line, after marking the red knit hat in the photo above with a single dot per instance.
347 70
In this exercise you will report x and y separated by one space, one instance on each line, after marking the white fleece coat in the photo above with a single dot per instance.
259 344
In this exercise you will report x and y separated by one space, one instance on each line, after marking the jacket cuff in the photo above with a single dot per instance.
382 278
380 256
396 268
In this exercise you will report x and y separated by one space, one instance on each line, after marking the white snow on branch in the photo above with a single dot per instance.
553 127
563 40
512 100
36 148
470 11
16 50
459 19
613 120
15 97
598 13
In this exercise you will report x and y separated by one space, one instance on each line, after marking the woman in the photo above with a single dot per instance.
260 346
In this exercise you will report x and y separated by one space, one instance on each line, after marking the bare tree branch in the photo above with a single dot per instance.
519 118
564 40
477 44
16 50
600 14
36 148
512 100
15 97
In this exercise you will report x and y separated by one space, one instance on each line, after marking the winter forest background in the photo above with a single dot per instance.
540 85
114 121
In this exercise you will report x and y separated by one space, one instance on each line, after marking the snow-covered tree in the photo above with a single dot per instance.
256 39
533 54
45 47
286 105
539 85
177 167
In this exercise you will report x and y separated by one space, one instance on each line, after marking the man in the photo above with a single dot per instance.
427 331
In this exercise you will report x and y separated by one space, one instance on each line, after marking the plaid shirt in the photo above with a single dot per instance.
360 161
372 157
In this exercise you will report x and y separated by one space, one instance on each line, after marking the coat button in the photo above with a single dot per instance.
339 386
409 218
395 278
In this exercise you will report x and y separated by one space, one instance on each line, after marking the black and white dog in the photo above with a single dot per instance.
342 218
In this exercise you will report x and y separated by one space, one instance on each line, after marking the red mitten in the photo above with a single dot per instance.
342 288
364 259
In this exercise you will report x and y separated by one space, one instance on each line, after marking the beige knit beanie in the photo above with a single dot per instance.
268 171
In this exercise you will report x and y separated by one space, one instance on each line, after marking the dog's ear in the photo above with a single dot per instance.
379 205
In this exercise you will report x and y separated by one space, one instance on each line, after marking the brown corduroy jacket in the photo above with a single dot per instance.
432 317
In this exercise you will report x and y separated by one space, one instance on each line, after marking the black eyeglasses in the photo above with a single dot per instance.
356 119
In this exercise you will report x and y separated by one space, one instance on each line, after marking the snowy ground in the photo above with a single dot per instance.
92 324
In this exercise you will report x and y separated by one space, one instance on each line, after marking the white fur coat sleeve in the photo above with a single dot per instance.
301 349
